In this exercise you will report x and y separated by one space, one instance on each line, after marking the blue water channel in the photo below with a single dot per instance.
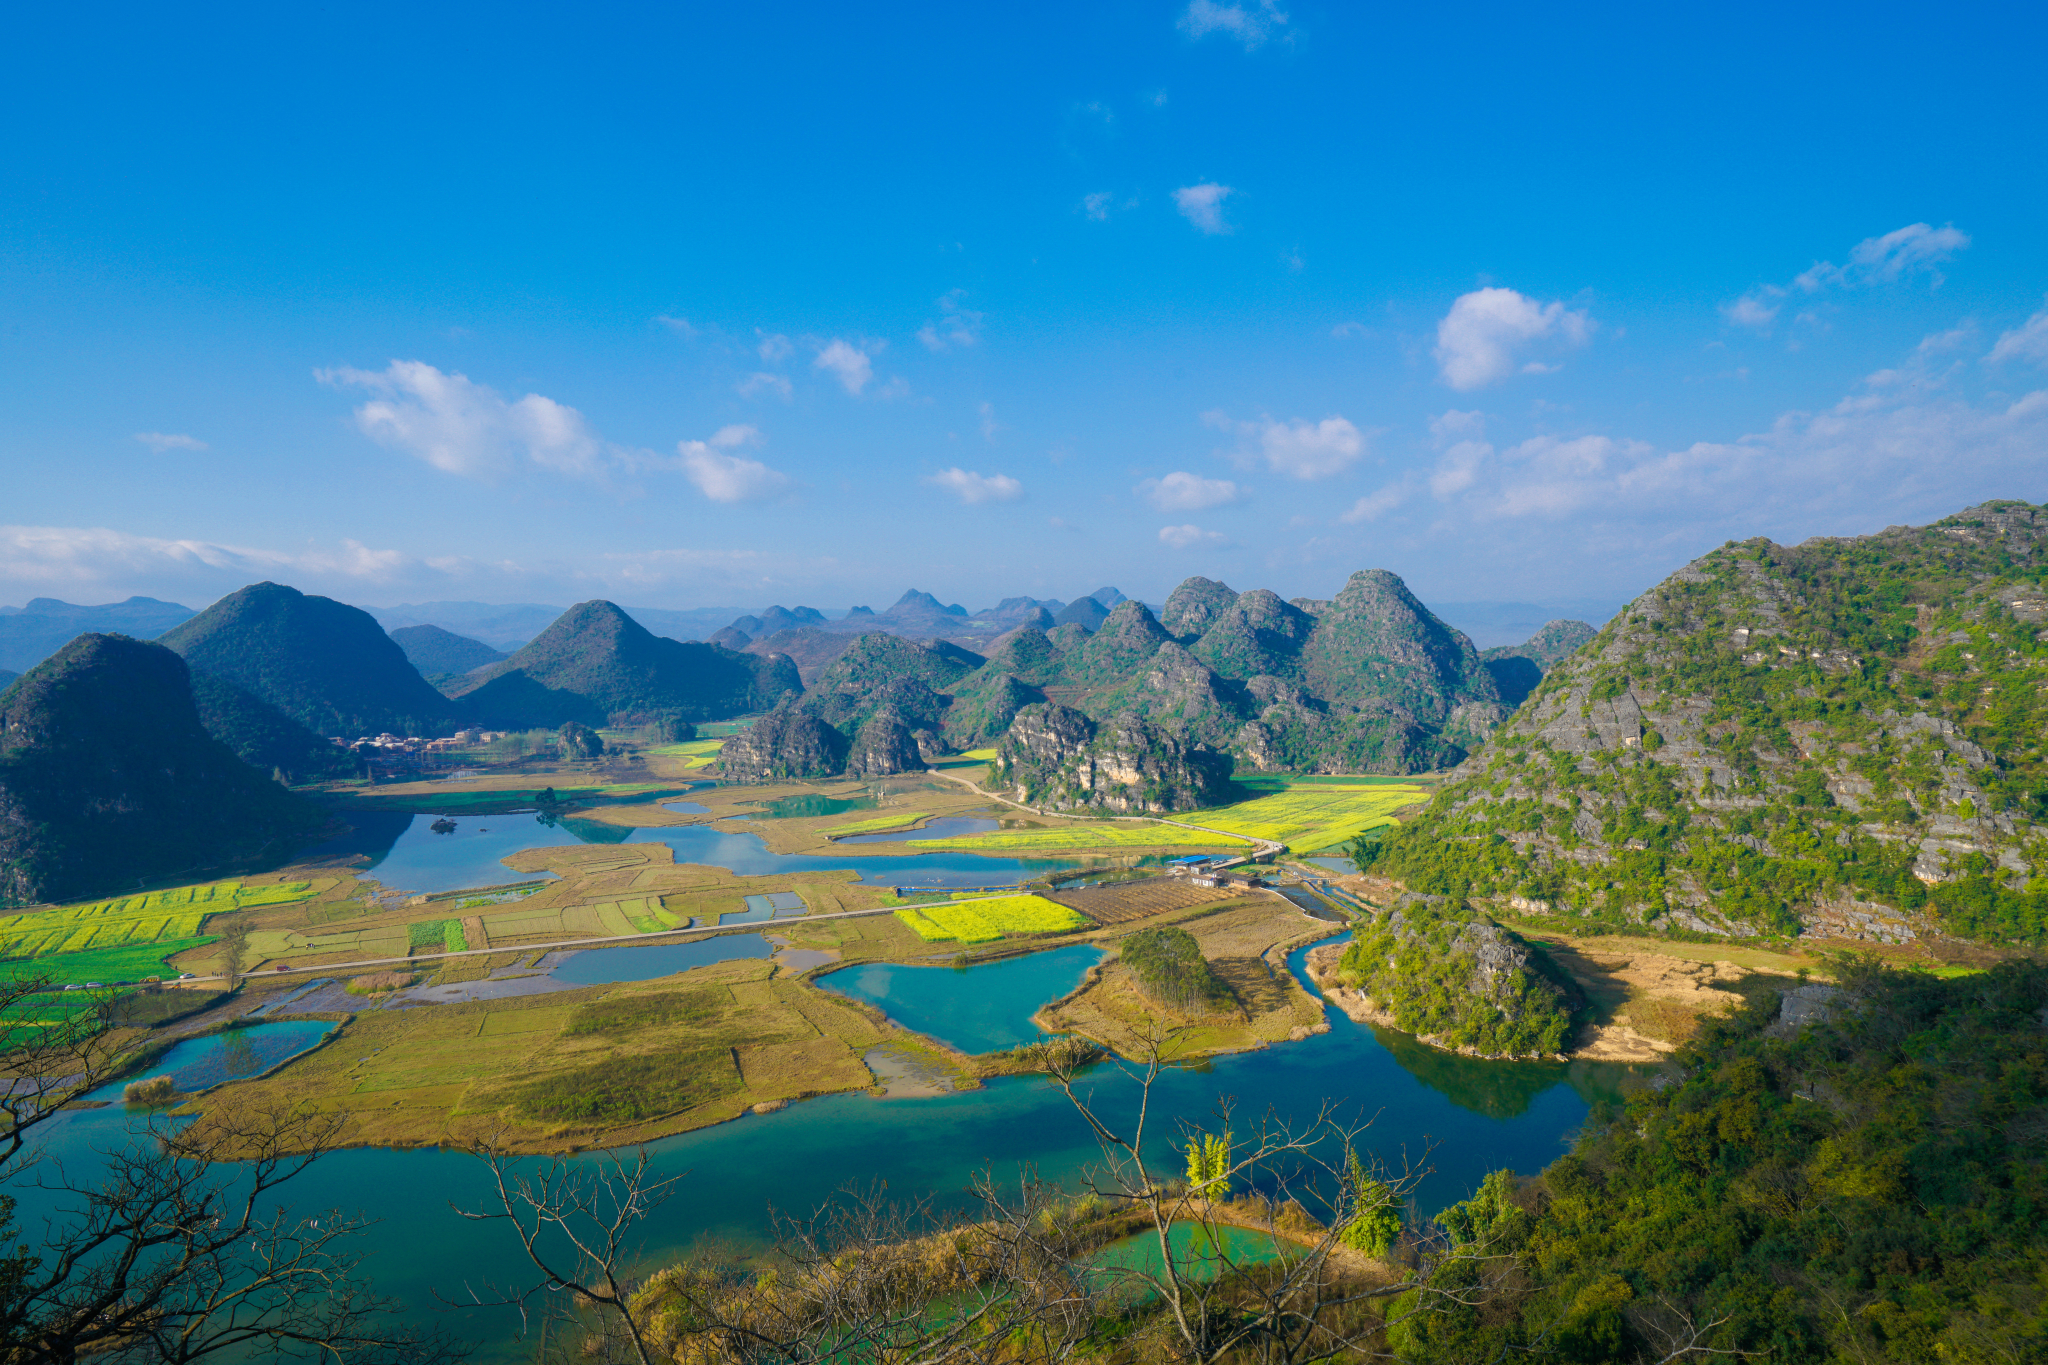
232 1054
983 1008
1461 1117
604 966
406 855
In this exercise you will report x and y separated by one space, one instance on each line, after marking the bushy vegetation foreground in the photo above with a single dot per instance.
1870 1189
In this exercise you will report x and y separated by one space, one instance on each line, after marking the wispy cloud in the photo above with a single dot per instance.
727 478
852 366
467 428
956 326
971 487
160 441
87 556
1181 491
1187 537
2028 341
682 327
1298 449
1096 205
763 382
1483 338
774 348
1248 25
1202 205
1914 249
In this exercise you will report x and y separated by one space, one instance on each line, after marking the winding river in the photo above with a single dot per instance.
1461 1118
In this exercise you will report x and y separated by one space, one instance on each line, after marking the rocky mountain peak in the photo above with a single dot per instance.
1194 606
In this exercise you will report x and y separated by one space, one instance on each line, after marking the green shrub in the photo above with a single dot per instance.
627 1089
1171 969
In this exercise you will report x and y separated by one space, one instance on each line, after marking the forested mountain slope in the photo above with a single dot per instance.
1868 1188
596 662
1846 729
107 777
327 665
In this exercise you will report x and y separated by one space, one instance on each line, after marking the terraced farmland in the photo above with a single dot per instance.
134 921
985 921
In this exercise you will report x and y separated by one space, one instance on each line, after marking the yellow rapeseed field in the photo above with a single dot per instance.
153 917
1313 815
987 921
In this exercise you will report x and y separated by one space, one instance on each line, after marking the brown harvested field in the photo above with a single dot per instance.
1245 943
448 1073
1109 905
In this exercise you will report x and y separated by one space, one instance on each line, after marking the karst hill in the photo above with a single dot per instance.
1846 730
108 778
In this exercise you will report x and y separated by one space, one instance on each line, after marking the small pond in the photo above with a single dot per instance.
603 966
983 1008
686 807
952 827
805 807
228 1055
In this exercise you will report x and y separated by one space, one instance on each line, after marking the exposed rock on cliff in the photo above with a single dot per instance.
1056 757
787 742
1774 730
884 746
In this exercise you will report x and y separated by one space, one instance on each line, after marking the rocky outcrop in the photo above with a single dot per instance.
787 742
578 741
1775 732
1194 606
1057 758
885 746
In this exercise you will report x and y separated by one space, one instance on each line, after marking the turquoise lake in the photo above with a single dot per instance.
1469 1116
985 1008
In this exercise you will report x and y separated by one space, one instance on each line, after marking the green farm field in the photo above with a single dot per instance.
127 937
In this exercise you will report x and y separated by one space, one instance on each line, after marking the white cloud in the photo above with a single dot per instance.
1202 205
160 441
1457 469
1096 205
1297 449
680 326
729 478
1375 505
774 348
956 325
1909 250
2028 341
970 487
1248 25
1478 341
761 381
1181 491
88 556
849 364
1183 537
466 428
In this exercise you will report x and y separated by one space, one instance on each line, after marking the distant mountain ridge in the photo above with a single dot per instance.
108 778
31 634
439 653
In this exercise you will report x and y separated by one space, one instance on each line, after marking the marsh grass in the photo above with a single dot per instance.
628 1013
628 1089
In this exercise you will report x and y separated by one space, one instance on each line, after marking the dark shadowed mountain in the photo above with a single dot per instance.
327 665
108 779
439 653
31 634
1084 612
7 676
1517 669
596 663
774 620
264 737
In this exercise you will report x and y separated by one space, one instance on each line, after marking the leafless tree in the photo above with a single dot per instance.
1304 1295
175 1250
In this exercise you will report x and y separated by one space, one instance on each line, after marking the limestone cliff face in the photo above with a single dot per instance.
884 746
1842 735
787 742
1056 757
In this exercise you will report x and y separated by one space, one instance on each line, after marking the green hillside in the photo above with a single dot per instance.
438 653
108 778
595 663
264 737
328 666
1845 730
1867 1188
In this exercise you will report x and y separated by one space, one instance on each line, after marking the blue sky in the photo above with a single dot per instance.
687 306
